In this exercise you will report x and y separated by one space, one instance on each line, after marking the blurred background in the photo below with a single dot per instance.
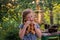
48 12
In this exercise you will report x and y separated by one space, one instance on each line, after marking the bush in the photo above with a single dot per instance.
12 35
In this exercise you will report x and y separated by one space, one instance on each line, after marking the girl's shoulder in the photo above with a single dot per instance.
38 26
21 26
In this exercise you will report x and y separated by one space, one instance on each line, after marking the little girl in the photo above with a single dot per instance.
28 18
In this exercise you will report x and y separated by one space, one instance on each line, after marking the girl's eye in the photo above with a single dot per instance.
31 16
28 17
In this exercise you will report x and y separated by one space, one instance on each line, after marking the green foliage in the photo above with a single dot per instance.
12 34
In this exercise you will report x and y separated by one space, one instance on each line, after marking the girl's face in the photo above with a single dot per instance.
30 17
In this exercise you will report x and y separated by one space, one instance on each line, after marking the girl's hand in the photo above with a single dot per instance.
27 24
34 23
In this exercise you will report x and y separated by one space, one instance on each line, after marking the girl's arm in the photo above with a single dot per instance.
38 32
23 30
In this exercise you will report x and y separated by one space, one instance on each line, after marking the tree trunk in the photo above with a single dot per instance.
51 17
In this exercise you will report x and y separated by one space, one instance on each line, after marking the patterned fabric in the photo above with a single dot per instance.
29 36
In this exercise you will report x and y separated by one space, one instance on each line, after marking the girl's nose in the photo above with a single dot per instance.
31 19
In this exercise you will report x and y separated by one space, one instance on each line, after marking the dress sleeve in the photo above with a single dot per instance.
38 26
21 26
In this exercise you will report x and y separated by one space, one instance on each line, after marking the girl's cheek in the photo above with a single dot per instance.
28 19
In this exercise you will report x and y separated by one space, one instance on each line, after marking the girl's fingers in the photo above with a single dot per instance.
27 23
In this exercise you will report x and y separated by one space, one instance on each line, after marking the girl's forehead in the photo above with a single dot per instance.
31 14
